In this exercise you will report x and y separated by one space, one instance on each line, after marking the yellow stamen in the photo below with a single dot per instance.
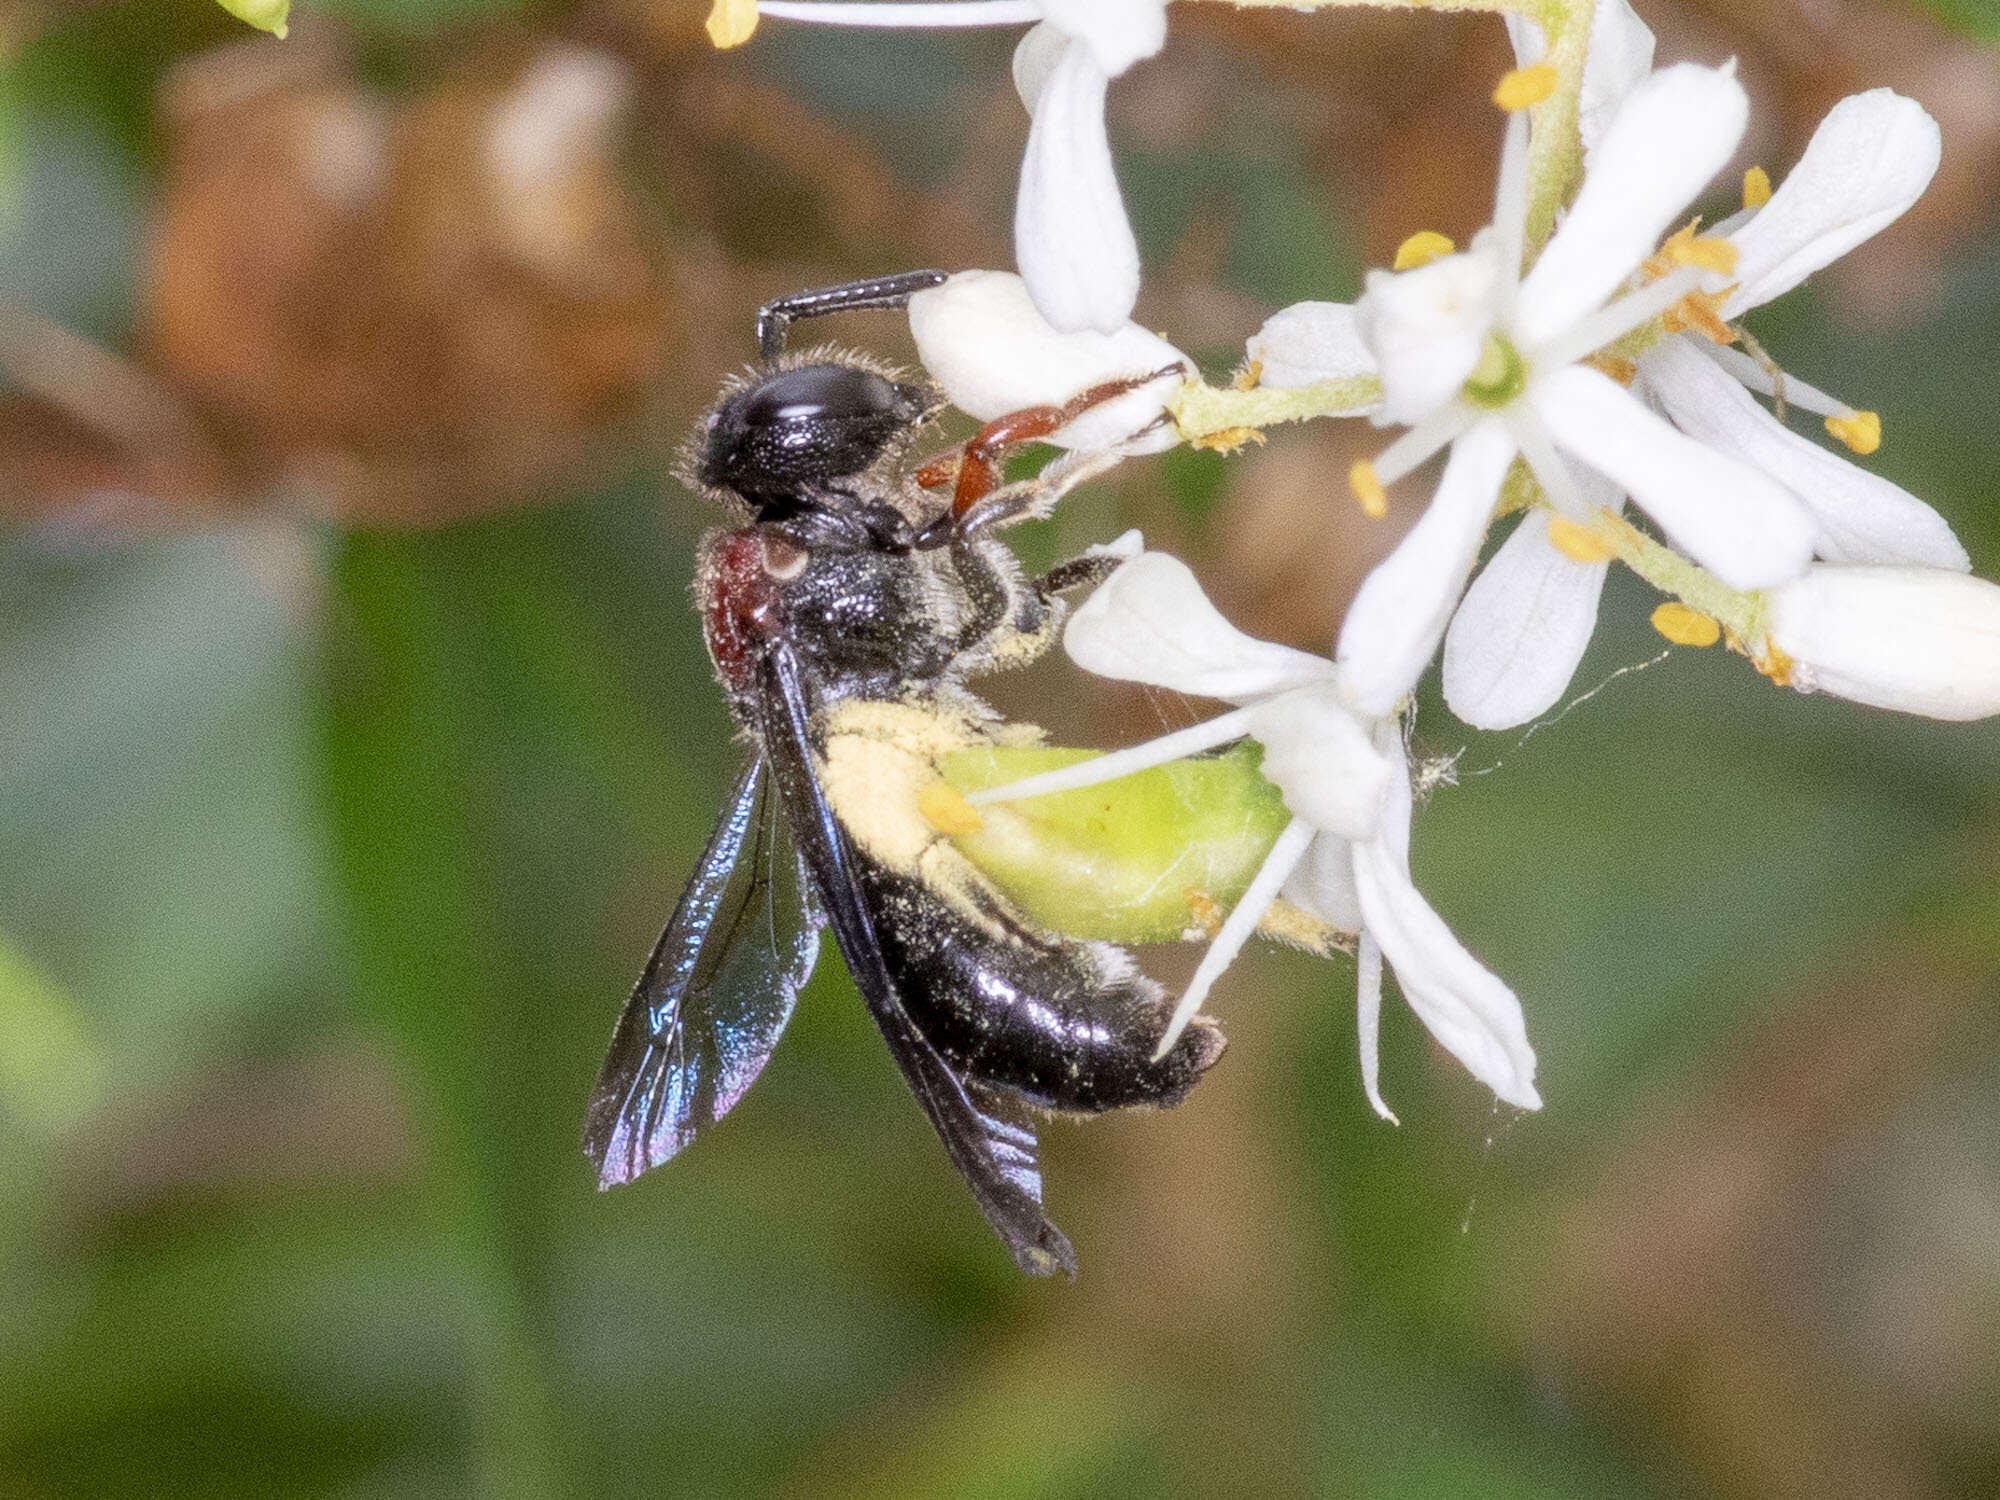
1621 370
1368 490
1525 86
1684 626
730 22
1756 188
1421 248
1700 312
1578 543
1247 375
1228 439
1775 665
1862 432
1708 251
946 811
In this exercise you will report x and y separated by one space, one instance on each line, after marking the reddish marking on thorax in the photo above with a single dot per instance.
738 605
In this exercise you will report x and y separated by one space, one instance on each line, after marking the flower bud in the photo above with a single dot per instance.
982 339
1918 640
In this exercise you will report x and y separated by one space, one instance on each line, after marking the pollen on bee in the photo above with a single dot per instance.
1202 907
1525 86
1246 377
1368 489
1862 431
946 811
1756 188
1421 248
1685 626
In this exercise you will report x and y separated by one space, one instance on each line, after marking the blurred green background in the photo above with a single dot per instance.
356 736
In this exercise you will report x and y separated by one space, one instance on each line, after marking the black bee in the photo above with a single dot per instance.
843 615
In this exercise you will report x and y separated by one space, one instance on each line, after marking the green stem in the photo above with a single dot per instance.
1201 410
1555 146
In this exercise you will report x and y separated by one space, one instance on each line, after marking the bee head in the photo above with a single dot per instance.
789 431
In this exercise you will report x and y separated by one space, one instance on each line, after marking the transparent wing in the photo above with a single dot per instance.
989 1136
714 996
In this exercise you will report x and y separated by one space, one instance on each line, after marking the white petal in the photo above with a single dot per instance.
1871 158
1237 927
1150 622
1323 760
1523 626
1862 517
1398 616
910 13
1918 640
1368 1018
1323 884
1673 133
1746 529
1309 342
1465 1006
1035 58
1072 241
1619 57
1425 329
982 339
1118 32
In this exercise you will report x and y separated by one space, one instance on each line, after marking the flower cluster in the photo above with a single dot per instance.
1582 354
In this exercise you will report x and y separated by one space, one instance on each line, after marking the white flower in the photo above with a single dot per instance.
1345 778
1517 638
1072 241
1918 640
1475 356
1871 158
983 340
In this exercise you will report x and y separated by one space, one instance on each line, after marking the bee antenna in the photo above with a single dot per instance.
774 319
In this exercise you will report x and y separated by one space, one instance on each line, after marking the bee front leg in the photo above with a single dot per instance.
1092 567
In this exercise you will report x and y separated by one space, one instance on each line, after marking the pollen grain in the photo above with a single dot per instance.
1421 248
1525 87
1684 626
1368 490
1862 432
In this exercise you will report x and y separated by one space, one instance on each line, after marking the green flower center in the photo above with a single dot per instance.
1499 377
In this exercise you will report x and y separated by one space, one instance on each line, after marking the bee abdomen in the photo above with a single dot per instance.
1066 1024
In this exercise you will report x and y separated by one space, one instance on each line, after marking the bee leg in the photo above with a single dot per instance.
1092 567
979 464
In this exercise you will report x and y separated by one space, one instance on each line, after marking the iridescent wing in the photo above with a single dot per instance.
715 995
989 1135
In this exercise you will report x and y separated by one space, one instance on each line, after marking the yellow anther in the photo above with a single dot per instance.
1579 543
1247 375
1775 665
1709 252
1621 370
1684 626
1700 312
1368 490
1525 86
730 22
1862 432
946 811
1227 439
1756 188
1421 248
